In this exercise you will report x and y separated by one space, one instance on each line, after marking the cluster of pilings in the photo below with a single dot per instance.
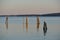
38 24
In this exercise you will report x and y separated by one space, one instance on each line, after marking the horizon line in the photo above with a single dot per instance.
51 14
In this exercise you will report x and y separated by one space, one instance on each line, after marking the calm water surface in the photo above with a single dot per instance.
17 29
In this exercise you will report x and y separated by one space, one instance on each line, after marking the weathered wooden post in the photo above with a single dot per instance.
45 28
6 22
38 23
26 23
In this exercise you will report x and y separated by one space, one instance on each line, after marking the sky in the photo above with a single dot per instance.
14 7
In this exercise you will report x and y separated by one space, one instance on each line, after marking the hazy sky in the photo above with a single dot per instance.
29 6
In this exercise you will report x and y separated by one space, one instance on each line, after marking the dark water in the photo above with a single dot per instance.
18 30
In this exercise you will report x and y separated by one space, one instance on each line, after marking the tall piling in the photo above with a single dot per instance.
6 22
26 23
38 23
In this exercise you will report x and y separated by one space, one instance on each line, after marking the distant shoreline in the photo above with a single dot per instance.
52 14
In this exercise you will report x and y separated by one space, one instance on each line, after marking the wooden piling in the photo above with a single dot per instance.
6 22
38 22
45 28
26 23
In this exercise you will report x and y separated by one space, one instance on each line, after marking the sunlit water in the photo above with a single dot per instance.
17 28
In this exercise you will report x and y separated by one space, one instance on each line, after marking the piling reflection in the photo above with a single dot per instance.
26 23
38 23
6 22
45 28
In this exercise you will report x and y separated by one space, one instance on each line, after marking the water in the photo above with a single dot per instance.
17 29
